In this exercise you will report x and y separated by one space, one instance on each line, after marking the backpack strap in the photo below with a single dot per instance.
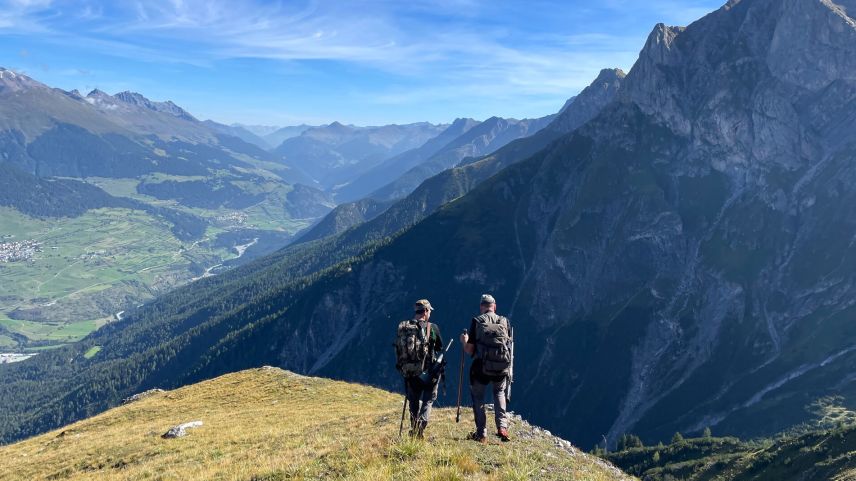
428 341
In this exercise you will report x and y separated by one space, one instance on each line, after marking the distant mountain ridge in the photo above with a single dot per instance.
336 153
456 182
481 139
392 168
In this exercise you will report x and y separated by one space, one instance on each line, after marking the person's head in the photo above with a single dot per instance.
487 304
422 309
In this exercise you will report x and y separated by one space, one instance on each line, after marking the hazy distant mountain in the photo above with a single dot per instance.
392 168
481 139
384 218
335 154
258 130
239 132
281 134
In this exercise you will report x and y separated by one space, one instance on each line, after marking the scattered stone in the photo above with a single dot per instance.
144 394
180 430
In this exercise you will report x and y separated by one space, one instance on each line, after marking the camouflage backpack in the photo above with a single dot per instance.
493 344
411 348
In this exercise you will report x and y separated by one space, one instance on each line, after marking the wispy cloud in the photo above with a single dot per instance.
450 48
385 35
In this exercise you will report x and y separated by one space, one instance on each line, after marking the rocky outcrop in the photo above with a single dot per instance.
180 430
142 395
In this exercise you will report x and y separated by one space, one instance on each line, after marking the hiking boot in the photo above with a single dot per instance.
479 438
503 435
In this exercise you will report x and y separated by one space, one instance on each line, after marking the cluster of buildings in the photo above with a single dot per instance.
19 250
8 358
233 218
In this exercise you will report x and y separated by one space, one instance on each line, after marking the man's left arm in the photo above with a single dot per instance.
438 339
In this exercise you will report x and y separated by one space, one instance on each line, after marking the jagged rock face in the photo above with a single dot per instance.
168 107
685 259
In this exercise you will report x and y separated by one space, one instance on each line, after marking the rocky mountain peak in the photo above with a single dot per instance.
15 82
168 107
609 75
738 51
581 108
98 94
101 100
461 123
134 98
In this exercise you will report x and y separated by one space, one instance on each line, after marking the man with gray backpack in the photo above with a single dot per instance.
489 340
419 352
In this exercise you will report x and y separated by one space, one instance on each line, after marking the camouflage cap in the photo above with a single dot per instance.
487 299
422 305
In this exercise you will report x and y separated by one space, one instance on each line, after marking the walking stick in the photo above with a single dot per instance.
460 384
403 410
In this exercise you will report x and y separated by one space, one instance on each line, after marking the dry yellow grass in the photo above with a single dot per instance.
269 425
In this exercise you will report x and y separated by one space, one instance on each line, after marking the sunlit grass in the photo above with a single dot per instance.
266 424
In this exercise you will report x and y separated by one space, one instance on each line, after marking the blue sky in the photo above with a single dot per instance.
367 63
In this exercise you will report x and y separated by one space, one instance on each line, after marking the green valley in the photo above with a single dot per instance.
90 268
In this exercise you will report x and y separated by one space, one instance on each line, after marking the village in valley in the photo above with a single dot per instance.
18 250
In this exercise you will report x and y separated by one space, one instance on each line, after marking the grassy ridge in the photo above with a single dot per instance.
267 424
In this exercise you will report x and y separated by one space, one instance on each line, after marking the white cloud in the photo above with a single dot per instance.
457 52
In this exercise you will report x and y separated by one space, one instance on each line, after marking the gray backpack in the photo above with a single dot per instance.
493 344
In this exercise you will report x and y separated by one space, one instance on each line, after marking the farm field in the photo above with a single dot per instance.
88 268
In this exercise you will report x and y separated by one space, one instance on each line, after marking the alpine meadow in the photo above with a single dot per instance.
563 258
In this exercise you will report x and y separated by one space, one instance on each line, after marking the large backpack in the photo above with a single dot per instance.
411 348
493 344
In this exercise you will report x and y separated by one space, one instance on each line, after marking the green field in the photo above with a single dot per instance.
51 331
88 266
92 352
106 260
267 215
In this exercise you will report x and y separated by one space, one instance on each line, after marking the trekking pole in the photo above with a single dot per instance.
460 385
403 410
510 379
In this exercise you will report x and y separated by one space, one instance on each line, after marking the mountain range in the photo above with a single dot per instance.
673 249
333 154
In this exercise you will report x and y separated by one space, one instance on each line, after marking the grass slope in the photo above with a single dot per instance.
268 424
